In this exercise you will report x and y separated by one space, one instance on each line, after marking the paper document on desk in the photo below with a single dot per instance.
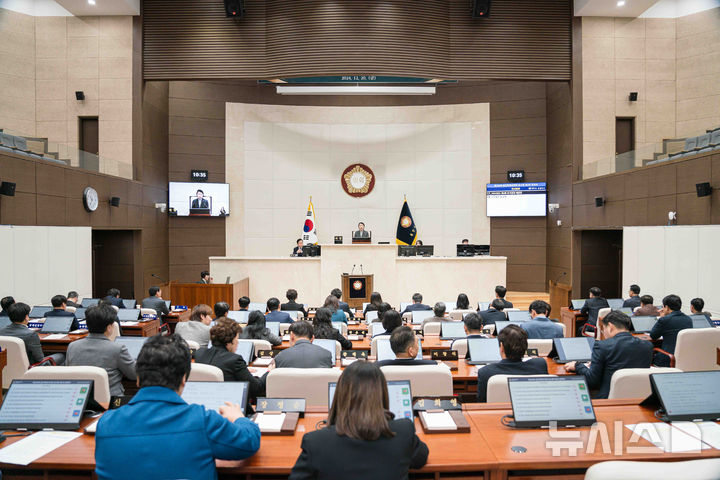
439 420
129 324
354 337
92 428
35 446
270 422
262 362
258 371
663 435
286 338
54 336
708 432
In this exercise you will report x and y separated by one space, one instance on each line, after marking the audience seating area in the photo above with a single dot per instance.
704 143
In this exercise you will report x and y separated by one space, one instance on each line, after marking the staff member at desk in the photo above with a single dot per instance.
359 421
158 416
59 304
298 250
361 232
671 321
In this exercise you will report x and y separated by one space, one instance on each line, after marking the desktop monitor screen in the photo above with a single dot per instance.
425 250
128 315
245 349
573 349
384 351
57 325
39 312
419 315
294 314
450 306
483 350
213 395
452 330
399 397
578 304
133 344
407 250
537 401
643 324
700 321
89 302
240 316
516 199
39 404
201 199
129 303
167 303
329 345
688 395
518 316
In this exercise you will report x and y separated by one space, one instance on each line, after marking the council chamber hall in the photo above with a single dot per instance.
339 239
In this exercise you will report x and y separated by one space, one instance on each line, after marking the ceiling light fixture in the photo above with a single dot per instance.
91 2
621 3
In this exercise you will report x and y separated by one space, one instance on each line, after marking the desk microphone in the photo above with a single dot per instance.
353 270
560 276
153 275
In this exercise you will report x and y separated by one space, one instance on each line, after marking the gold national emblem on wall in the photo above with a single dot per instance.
357 180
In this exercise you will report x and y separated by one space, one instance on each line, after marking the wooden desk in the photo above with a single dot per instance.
571 319
60 345
3 364
142 329
430 342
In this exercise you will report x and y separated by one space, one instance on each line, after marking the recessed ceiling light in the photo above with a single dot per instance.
92 2
621 3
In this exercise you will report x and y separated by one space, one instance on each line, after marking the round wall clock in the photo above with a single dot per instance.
90 199
357 180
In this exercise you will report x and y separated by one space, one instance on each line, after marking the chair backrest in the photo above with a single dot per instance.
260 344
634 382
193 344
497 387
373 345
115 332
543 345
460 345
406 317
424 379
703 141
200 372
283 327
564 328
148 311
603 311
97 374
308 383
17 360
696 349
458 314
432 328
630 470
117 309
70 309
690 143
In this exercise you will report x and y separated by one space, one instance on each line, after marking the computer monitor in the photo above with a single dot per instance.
312 250
240 316
483 350
365 304
376 329
573 349
452 330
133 344
372 315
578 303
418 316
245 349
257 306
465 250
39 312
615 303
407 250
425 250
688 395
213 395
80 313
89 302
57 325
481 249
701 321
128 315
537 401
41 404
167 304
499 325
274 328
399 397
483 306
384 352
518 316
643 324
327 344
129 303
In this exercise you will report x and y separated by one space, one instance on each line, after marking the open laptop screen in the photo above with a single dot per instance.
213 395
129 303
257 306
327 344
483 305
518 316
499 325
483 350
372 315
240 316
128 314
399 397
574 349
700 321
38 404
643 324
376 329
245 349
133 344
538 401
419 315
80 313
452 330
384 352
615 303
273 327
688 395
578 304
89 302
57 325
39 312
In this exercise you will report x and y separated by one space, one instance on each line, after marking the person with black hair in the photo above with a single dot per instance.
494 313
391 320
18 328
669 324
439 315
593 305
337 293
647 309
298 250
405 346
473 328
59 304
302 352
72 299
619 350
274 314
244 303
292 305
696 307
5 304
462 302
500 292
200 202
323 328
155 301
417 305
257 329
541 326
375 301
220 309
513 345
97 350
205 277
157 415
113 298
332 304
633 297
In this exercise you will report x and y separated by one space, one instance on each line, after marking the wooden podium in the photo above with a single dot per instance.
356 289
559 296
361 240
191 294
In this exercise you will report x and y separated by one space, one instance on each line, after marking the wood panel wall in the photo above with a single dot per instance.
192 39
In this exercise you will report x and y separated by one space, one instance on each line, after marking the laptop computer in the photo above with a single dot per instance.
274 328
499 325
483 306
376 329
89 302
701 321
643 324
240 316
371 316
213 395
483 350
572 349
518 316
338 326
537 401
404 305
245 349
41 404
691 396
626 310
578 304
128 315
399 397
384 352
450 306
452 330
80 313
129 303
328 345
57 325
419 316
167 304
133 344
294 314
39 312
257 306
615 303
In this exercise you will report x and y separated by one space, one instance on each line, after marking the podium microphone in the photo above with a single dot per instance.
153 275
361 270
560 276
353 270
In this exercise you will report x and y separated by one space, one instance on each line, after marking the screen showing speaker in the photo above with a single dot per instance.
199 199
516 199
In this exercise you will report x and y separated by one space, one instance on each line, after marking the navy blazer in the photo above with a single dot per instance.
490 316
57 312
534 366
612 354
591 308
507 304
542 327
668 328
278 316
404 362
416 307
346 308
632 302
157 417
116 301
294 307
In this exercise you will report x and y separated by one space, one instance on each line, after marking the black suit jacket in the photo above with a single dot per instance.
592 307
632 302
668 328
62 313
294 307
346 308
416 307
233 367
326 455
534 366
507 304
203 204
345 344
115 301
490 316
405 362
295 252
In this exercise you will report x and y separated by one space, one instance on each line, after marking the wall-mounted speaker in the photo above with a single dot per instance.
115 201
7 189
234 8
599 201
481 8
79 95
703 189
633 96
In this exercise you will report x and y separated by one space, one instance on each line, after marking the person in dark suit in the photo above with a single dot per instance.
390 321
224 336
361 232
292 305
72 299
375 302
473 327
302 353
404 345
337 293
158 416
18 313
593 305
155 301
200 202
634 297
513 345
244 303
298 250
5 304
256 329
113 298
274 314
220 309
540 326
696 307
500 292
417 304
671 321
619 350
494 313
359 421
647 309
205 277
322 328
58 303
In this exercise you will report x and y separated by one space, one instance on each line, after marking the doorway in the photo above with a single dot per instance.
113 262
89 143
624 143
601 262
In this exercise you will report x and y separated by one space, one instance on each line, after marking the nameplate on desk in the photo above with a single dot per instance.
450 355
35 324
267 353
117 401
147 317
363 354
360 333
280 405
533 352
422 404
